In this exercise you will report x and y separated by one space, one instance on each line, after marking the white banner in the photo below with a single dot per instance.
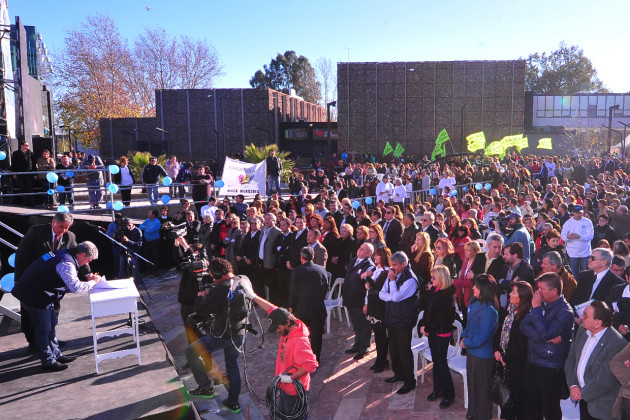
244 178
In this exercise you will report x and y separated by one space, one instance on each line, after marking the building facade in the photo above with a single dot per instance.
411 102
206 124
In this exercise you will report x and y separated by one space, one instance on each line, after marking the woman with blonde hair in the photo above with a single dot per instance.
437 325
376 236
421 257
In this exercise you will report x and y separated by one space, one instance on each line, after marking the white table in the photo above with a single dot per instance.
107 302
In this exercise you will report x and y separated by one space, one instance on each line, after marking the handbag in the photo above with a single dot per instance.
500 388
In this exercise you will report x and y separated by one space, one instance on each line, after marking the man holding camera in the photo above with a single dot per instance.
223 305
515 231
131 237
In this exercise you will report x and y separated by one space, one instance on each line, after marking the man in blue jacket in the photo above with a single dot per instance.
548 328
151 229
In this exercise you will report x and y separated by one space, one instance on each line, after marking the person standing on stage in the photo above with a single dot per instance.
45 282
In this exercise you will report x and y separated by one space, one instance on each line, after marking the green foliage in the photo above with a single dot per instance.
255 154
138 160
563 71
288 71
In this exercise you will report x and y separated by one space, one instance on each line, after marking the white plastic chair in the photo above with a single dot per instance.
453 349
333 300
418 345
458 364
329 274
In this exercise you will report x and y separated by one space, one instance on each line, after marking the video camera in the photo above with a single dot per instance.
503 222
175 231
120 233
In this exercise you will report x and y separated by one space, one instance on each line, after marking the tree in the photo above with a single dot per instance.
327 77
288 71
100 76
563 71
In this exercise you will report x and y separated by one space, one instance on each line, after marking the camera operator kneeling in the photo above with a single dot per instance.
195 278
223 305
191 236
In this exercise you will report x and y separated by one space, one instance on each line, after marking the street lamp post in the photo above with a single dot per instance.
623 141
610 115
328 105
462 128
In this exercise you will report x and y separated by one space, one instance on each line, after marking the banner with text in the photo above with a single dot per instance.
545 143
244 178
476 141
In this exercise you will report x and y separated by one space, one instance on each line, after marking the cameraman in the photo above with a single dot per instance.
515 232
225 306
194 279
130 236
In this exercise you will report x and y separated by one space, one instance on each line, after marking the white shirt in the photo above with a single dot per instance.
587 350
400 193
578 248
208 210
446 182
125 176
384 190
598 280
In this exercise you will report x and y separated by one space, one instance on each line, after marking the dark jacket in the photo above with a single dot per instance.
274 166
408 238
433 232
515 354
393 233
353 288
22 162
309 285
539 329
605 232
495 269
151 174
298 244
584 288
230 315
375 306
66 180
439 310
449 262
403 314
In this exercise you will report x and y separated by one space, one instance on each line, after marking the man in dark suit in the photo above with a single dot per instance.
248 258
353 291
282 248
596 282
339 191
587 368
392 229
333 207
409 234
348 218
491 262
309 285
266 256
299 242
22 161
427 226
39 240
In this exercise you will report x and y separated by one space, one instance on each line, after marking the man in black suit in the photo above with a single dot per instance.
516 269
299 242
339 191
491 262
282 248
427 226
22 161
309 285
409 234
248 258
596 282
333 207
346 211
353 291
392 229
39 240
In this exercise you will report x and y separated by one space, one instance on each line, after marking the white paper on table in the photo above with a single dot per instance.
579 309
104 284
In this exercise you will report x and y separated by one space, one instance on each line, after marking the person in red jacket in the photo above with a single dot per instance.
294 351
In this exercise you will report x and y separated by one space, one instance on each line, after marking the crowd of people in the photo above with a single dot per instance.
531 258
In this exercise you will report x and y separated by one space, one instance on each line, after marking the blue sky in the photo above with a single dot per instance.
247 34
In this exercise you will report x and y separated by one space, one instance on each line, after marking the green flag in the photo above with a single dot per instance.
442 137
388 149
399 150
494 148
545 143
476 141
437 151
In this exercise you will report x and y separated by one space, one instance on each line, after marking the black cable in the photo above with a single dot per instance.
245 353
300 410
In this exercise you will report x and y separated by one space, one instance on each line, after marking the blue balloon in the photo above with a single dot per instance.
113 188
453 193
114 169
369 200
3 155
118 205
7 282
465 188
355 204
50 192
478 186
63 209
61 188
108 205
167 180
12 260
165 199
432 191
219 183
488 186
107 184
69 174
52 177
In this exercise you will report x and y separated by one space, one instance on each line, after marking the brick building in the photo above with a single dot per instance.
206 124
410 103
